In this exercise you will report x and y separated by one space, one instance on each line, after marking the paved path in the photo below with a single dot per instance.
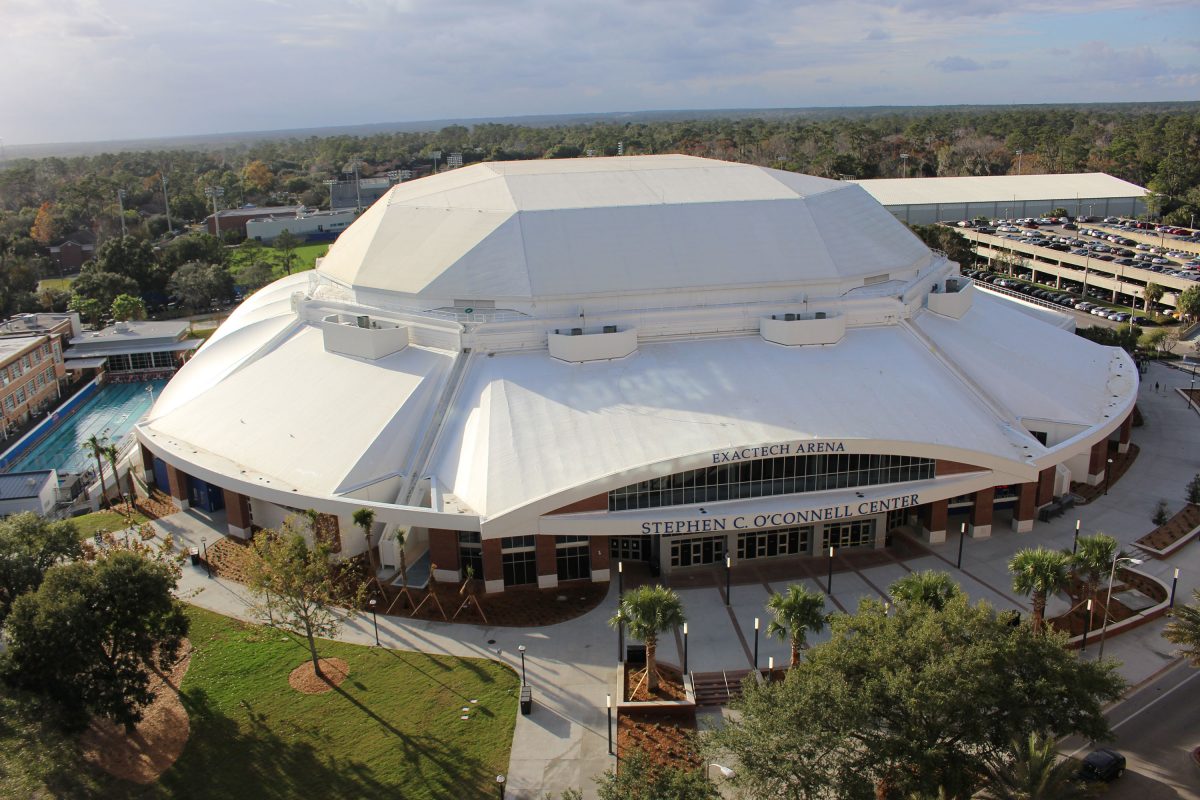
570 666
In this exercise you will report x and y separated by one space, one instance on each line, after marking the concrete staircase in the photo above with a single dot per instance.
718 688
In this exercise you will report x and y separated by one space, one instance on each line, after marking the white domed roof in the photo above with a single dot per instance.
520 231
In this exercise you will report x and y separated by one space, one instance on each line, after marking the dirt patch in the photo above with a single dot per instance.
140 757
1177 527
304 679
516 606
670 685
670 743
1121 464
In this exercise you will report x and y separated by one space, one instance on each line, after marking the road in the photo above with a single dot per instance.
1156 729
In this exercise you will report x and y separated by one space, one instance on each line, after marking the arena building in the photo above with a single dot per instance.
537 368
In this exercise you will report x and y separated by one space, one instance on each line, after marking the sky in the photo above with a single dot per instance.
94 70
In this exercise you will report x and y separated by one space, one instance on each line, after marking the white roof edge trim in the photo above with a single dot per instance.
548 503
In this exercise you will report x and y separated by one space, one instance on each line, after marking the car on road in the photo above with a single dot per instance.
1102 765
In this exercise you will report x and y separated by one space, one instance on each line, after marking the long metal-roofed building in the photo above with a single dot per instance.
924 201
538 367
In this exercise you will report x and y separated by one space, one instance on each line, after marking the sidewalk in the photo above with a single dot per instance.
564 744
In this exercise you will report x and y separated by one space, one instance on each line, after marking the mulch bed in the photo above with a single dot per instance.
667 742
1121 464
305 679
670 685
1178 526
1075 622
515 607
156 742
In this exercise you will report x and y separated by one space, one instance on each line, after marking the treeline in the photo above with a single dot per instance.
44 201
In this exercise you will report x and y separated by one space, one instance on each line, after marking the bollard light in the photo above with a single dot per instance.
608 705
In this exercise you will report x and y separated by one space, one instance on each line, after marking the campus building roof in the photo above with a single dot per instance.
993 188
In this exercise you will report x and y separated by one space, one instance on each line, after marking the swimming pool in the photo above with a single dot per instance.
110 414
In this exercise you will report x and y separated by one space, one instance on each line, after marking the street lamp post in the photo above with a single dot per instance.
608 705
204 545
1111 573
728 571
962 535
621 624
685 634
756 644
1075 541
374 619
521 649
1086 626
829 582
1108 476
1174 583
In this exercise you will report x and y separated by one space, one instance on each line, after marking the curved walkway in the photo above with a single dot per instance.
563 743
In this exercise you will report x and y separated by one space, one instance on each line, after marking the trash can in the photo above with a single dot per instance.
195 554
526 700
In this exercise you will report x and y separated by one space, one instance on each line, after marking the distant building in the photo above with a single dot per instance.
28 491
235 219
312 226
74 252
134 350
31 374
924 201
369 190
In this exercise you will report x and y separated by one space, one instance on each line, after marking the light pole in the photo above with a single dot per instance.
608 705
166 202
756 644
121 205
728 572
1111 573
829 582
374 619
521 648
1107 476
1019 154
204 545
770 665
962 534
215 192
904 163
621 624
1075 541
1174 583
1086 626
685 632
331 184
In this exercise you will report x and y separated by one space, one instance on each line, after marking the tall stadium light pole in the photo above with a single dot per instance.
1111 573
357 187
166 201
904 163
1019 154
215 192
121 205
331 184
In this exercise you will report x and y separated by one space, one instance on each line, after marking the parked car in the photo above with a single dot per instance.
1102 765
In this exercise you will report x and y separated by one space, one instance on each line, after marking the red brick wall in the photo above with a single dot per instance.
1045 492
1099 458
493 567
443 549
600 552
596 503
937 515
237 509
981 512
177 483
943 468
547 562
1026 501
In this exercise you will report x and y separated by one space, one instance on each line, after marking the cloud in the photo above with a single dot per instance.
1135 63
964 64
877 35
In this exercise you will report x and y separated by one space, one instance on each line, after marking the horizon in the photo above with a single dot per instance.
176 71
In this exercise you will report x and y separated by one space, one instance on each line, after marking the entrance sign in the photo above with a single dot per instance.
779 519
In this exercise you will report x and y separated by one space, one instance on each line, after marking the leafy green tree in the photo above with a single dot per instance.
1184 629
30 545
286 243
92 632
89 309
1189 302
795 613
253 275
1031 770
646 612
54 299
1040 573
909 702
198 285
639 778
300 591
931 588
199 247
127 307
103 287
132 258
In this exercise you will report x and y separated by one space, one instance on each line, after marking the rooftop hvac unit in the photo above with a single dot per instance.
789 317
610 328
951 284
577 331
363 320
819 315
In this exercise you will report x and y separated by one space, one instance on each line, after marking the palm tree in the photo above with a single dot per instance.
1184 630
365 519
1040 573
648 611
112 455
1091 562
796 612
95 446
1032 771
929 588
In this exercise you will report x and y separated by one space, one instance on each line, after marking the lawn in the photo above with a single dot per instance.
391 729
89 524
55 283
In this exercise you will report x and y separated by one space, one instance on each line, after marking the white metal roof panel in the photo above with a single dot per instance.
991 188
